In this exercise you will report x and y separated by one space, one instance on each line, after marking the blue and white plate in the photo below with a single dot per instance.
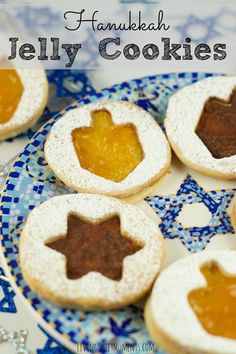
31 182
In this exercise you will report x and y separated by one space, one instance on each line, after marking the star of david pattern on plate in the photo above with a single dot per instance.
65 87
51 346
195 238
7 303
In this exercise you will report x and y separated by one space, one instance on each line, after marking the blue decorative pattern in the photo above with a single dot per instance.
195 238
52 346
226 20
31 182
7 303
193 24
65 87
37 17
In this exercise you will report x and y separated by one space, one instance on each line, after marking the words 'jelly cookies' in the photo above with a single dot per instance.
91 251
192 308
23 97
201 126
110 147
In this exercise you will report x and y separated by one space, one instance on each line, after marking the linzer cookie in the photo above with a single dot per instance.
110 147
91 251
201 126
192 308
23 97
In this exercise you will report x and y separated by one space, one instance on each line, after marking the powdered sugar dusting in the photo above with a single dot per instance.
62 158
45 269
183 114
32 102
170 308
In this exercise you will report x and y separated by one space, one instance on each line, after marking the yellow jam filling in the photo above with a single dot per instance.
106 149
215 305
11 90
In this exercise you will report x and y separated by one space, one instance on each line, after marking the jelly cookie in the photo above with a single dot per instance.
201 126
90 251
110 147
23 97
192 308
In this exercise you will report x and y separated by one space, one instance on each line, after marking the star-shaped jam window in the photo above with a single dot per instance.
94 247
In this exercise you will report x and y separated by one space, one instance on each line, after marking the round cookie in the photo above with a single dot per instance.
144 156
193 305
23 97
201 126
90 251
